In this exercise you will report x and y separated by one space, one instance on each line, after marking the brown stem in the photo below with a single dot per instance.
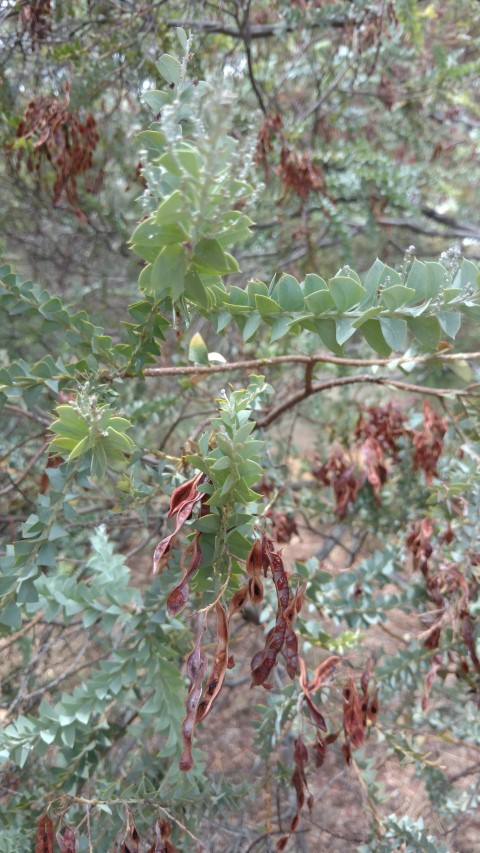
254 363
309 377
15 484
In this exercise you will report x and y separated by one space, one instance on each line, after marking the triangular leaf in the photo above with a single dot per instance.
210 257
168 272
197 351
266 306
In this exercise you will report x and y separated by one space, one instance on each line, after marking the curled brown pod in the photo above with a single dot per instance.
353 716
220 665
255 590
182 501
196 665
238 601
262 666
178 597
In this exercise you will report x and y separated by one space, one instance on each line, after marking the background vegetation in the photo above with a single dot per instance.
248 379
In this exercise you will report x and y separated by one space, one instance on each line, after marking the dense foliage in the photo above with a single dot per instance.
311 534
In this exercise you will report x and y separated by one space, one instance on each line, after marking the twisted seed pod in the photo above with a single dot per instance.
178 597
220 665
196 665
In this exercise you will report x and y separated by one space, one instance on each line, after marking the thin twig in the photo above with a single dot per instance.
9 641
257 31
309 377
21 443
28 467
89 831
24 413
142 801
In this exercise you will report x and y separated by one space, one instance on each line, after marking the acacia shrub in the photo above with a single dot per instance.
108 678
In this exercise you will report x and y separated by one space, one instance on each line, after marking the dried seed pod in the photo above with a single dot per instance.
430 678
290 612
262 666
255 590
291 651
299 782
279 578
44 842
220 664
321 673
196 665
372 712
131 839
326 668
67 843
183 494
182 501
469 641
347 753
353 717
365 679
238 601
320 750
178 597
162 843
254 561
